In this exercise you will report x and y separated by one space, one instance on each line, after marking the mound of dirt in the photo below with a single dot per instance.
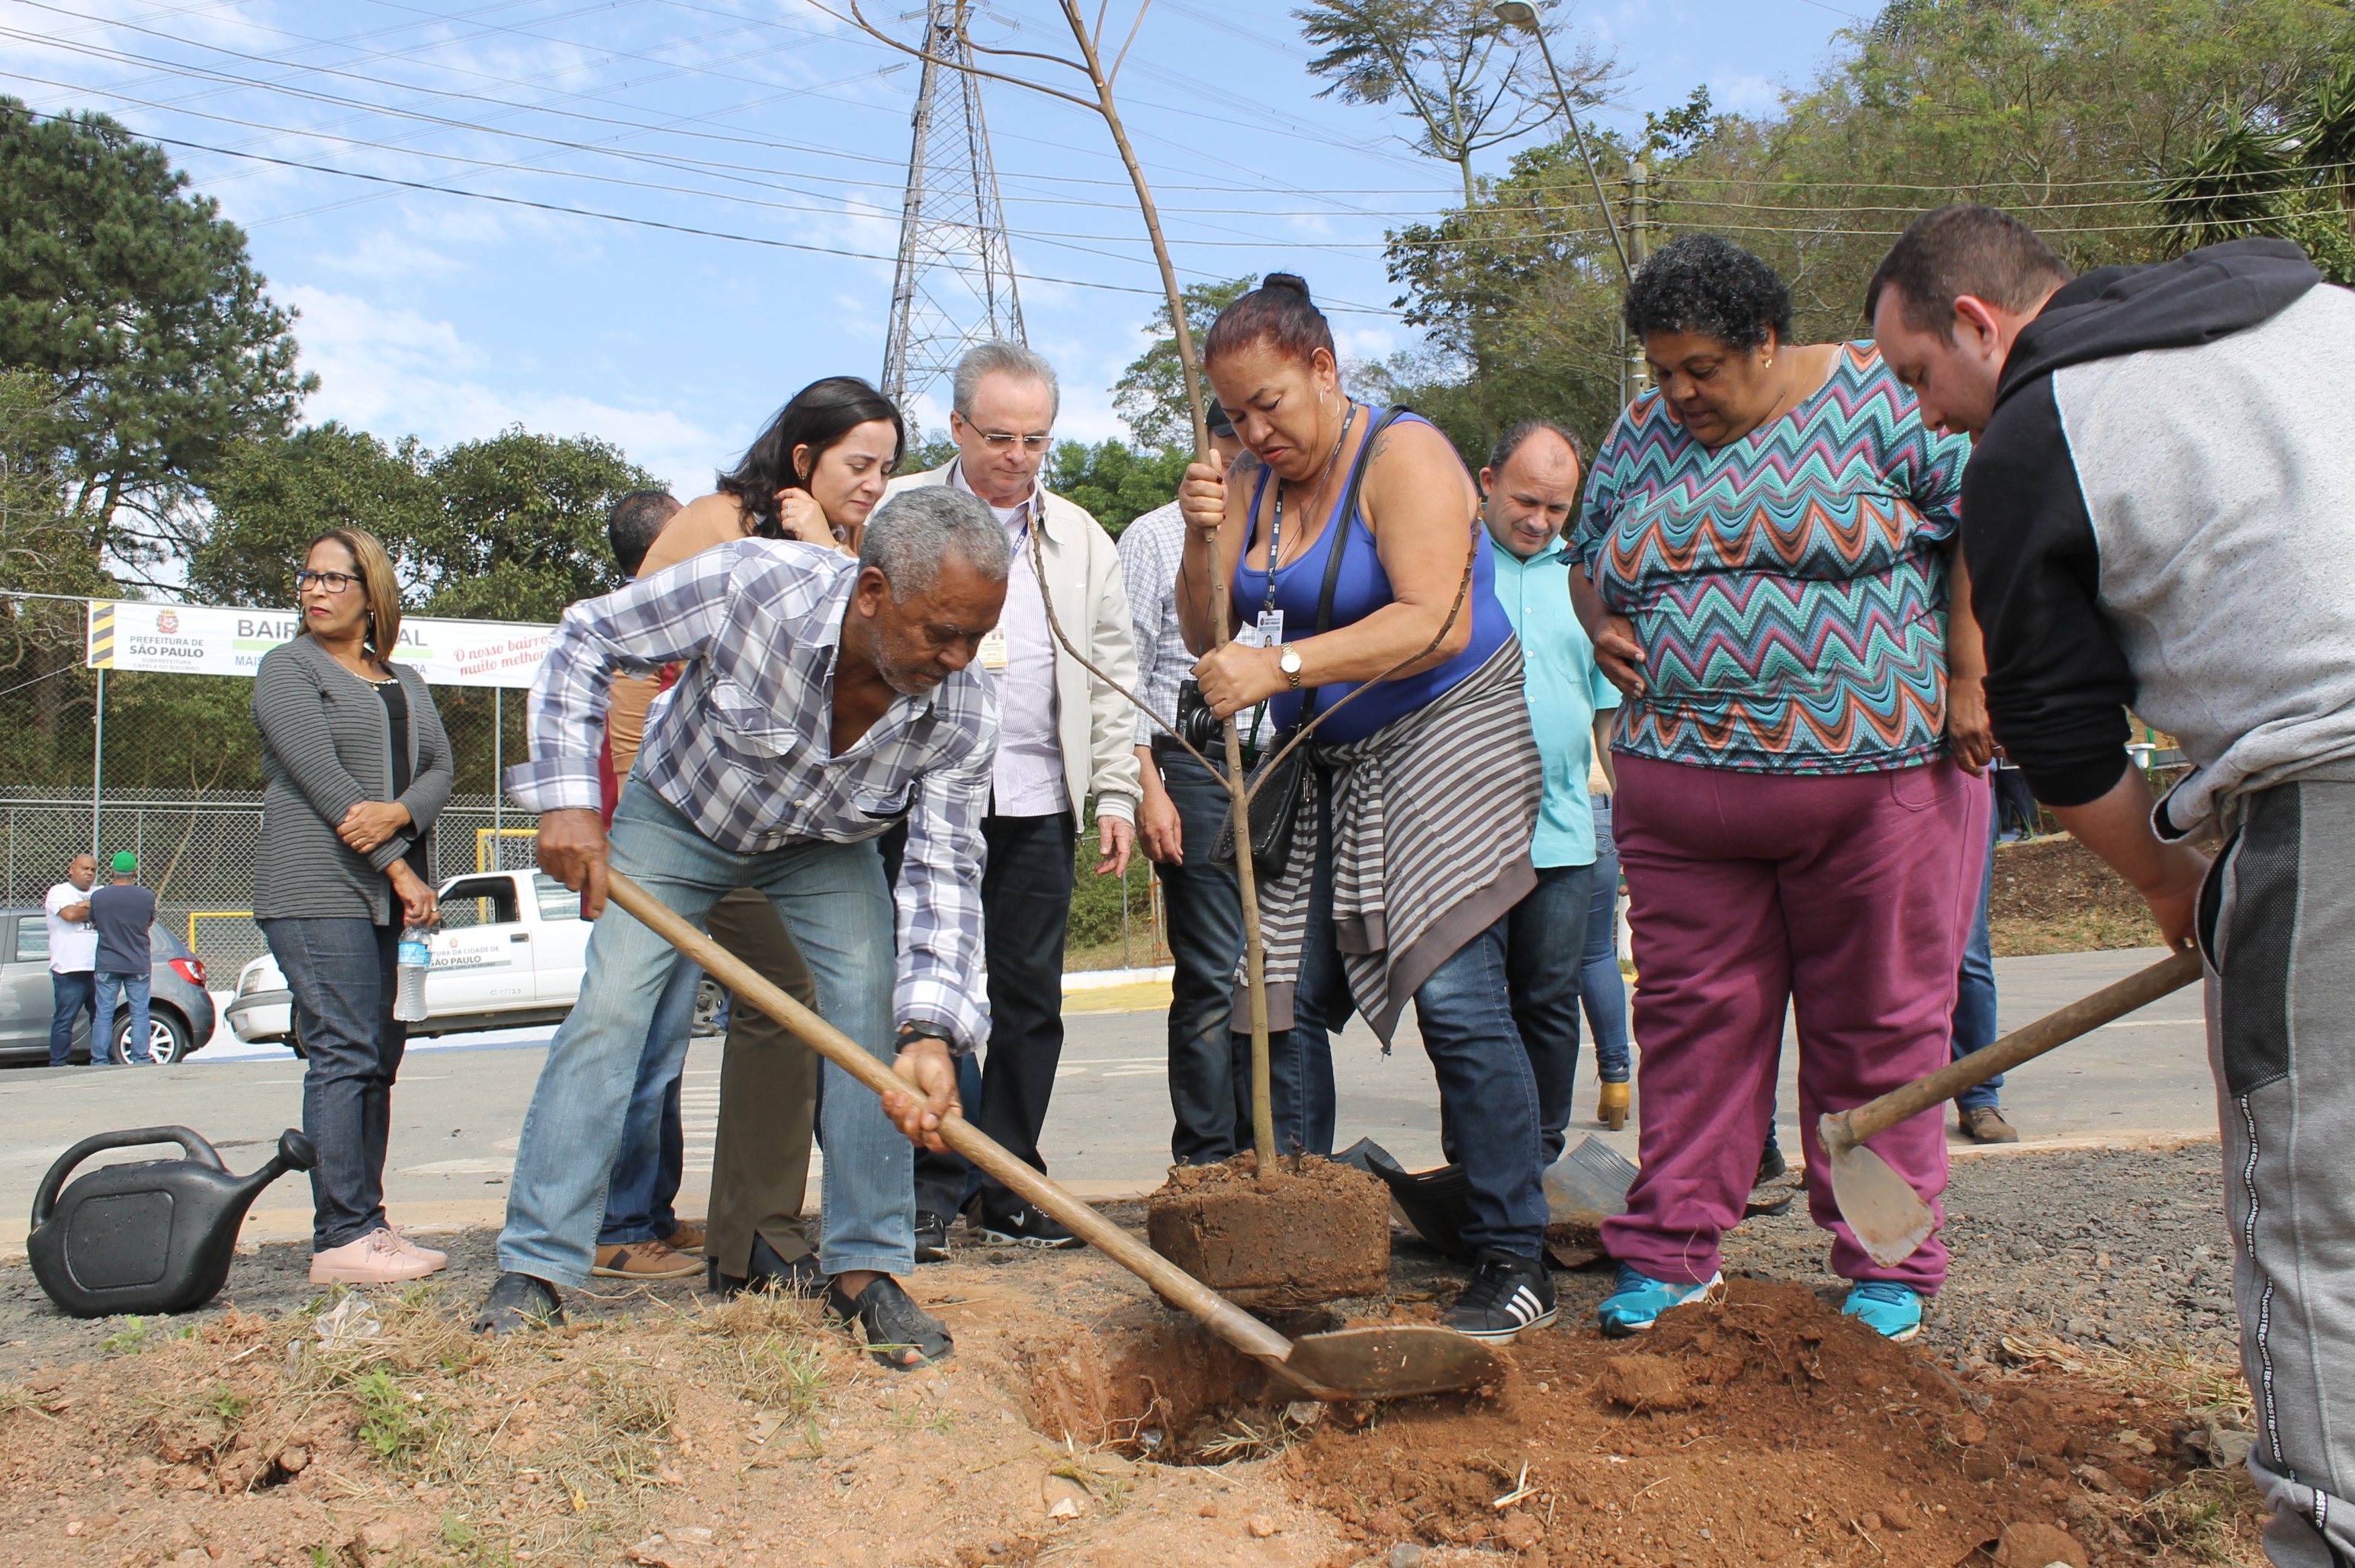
1308 1231
2055 895
1766 1428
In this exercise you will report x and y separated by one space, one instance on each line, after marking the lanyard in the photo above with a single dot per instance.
1275 527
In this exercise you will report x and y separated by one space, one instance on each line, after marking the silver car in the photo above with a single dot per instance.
179 1008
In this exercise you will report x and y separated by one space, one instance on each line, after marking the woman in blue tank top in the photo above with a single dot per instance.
1414 843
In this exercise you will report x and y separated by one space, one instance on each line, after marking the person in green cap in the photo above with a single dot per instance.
122 911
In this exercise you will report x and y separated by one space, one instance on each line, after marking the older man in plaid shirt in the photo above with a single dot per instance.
821 701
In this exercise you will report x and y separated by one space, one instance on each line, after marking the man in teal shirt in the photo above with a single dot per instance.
1527 490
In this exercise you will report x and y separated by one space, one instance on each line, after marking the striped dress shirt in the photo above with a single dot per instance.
743 744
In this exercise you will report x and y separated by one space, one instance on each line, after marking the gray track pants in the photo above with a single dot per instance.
2278 924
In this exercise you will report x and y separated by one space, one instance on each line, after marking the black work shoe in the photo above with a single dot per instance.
520 1301
1508 1293
932 1237
1771 1166
1024 1227
900 1334
800 1277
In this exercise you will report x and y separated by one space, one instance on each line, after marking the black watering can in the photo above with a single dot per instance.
153 1236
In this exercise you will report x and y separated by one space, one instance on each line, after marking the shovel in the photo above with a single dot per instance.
1881 1207
1379 1362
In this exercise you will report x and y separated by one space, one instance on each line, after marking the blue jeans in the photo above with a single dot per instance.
1210 1119
342 974
654 1141
1487 1094
1545 939
110 989
1974 997
73 993
1602 989
833 902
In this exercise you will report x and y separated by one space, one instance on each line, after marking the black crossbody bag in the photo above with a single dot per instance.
1278 783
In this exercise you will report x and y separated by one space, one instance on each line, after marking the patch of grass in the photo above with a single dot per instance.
396 1423
137 1335
939 1421
2176 1375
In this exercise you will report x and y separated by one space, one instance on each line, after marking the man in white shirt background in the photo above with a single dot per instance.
73 958
1065 735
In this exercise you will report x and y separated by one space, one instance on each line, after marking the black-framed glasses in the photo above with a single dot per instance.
1004 440
329 581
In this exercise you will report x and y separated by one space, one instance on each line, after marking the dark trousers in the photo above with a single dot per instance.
1302 1103
1545 950
1211 1112
1026 902
342 975
76 994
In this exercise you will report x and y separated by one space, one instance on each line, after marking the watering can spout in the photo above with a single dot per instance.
295 1152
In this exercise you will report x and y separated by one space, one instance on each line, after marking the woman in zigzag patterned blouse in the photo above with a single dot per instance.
1770 540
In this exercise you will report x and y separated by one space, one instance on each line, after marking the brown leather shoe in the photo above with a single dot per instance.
1611 1107
1985 1123
687 1237
644 1260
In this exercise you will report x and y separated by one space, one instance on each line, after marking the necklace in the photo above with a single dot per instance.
1275 527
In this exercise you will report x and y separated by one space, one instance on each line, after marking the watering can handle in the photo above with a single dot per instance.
191 1142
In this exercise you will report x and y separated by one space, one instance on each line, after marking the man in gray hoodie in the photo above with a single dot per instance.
2156 516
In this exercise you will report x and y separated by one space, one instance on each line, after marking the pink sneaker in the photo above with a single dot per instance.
376 1258
433 1259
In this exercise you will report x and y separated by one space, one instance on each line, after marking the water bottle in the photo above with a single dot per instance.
416 958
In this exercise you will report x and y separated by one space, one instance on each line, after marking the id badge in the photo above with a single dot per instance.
1271 629
993 651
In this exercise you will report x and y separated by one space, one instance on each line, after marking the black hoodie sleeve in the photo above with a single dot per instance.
2058 684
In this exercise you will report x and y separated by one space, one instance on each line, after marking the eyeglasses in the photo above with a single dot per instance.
331 581
1004 440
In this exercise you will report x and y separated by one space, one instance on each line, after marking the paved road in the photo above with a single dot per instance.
461 1101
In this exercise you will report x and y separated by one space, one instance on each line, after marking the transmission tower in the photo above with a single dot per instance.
953 286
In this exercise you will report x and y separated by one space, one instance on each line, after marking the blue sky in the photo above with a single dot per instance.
450 317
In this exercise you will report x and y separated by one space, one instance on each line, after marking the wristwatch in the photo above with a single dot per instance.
1287 659
924 1029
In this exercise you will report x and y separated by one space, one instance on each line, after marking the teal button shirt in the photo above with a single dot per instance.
1565 690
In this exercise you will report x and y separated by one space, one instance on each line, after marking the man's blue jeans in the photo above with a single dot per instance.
1545 950
1602 989
1974 996
74 994
1211 1112
833 901
654 1140
110 989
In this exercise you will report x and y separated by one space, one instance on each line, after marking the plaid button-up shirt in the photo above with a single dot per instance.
744 745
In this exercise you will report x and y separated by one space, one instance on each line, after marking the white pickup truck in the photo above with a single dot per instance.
508 955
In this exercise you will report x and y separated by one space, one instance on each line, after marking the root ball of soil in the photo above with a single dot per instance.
1306 1231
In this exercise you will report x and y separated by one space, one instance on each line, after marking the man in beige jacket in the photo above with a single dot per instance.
1067 734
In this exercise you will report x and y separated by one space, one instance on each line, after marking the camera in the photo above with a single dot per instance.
1207 732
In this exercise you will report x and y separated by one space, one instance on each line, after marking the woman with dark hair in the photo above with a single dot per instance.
1363 590
355 768
1770 539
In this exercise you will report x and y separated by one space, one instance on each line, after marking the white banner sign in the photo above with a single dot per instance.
196 640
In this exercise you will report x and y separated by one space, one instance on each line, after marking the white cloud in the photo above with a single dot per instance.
1744 92
396 372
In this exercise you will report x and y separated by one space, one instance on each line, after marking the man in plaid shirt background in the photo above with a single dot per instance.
820 702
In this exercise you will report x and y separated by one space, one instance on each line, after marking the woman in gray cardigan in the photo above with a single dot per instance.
356 768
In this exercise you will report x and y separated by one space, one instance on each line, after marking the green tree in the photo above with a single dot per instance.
1115 482
270 498
2326 135
519 529
140 304
41 551
1151 393
2229 187
1441 56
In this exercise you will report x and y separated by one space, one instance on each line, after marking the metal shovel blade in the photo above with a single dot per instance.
1395 1360
1880 1206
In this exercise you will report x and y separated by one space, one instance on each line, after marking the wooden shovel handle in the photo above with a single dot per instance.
1222 1317
2083 1017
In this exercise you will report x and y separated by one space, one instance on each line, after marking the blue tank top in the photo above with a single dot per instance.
1362 588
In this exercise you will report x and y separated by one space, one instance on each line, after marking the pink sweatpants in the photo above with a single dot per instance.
1848 897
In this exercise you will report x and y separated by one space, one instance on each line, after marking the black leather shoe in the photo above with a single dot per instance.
801 1278
932 1237
900 1334
1023 1227
518 1301
1771 1166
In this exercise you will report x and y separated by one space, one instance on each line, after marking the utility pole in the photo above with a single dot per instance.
954 286
1639 224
